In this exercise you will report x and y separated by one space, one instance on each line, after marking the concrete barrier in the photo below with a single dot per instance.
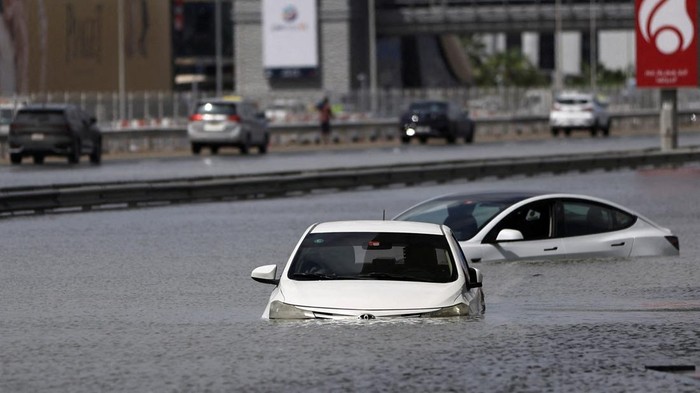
76 197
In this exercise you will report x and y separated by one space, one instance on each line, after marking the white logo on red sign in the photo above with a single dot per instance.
666 24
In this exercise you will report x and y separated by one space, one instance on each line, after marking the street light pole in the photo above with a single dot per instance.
121 60
372 47
218 39
558 80
593 37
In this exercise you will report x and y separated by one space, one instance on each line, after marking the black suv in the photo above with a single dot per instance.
40 130
436 119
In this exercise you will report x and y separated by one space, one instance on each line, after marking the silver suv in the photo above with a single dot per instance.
41 130
579 111
227 121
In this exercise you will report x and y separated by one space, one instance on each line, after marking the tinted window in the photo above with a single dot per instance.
578 218
216 109
372 256
532 220
40 117
574 101
464 217
432 107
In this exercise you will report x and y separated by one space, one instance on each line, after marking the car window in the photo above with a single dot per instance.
40 117
532 220
464 217
216 108
6 116
432 107
574 101
372 256
579 218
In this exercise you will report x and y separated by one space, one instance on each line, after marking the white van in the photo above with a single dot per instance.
227 121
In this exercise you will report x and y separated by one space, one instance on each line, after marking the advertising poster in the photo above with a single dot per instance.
290 38
667 43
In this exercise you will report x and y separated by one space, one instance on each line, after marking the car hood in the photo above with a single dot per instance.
370 294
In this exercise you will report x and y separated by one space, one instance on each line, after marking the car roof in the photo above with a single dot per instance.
378 226
491 196
231 99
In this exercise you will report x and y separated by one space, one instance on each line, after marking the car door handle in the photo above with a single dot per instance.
551 249
620 244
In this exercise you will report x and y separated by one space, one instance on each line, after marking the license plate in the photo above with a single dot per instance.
37 137
423 129
214 127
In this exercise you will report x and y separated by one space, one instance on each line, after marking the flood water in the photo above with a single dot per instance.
160 300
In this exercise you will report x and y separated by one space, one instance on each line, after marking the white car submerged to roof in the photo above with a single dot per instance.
373 269
494 226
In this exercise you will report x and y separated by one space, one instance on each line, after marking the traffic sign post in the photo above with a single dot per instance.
667 55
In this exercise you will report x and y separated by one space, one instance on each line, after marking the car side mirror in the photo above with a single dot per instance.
265 274
475 278
509 235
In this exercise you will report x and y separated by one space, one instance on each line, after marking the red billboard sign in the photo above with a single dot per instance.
667 43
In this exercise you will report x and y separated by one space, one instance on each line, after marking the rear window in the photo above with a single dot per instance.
40 117
432 107
216 109
574 101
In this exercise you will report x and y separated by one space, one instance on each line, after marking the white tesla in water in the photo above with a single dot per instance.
374 269
534 225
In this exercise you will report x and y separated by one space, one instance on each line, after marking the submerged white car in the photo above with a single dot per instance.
374 269
495 226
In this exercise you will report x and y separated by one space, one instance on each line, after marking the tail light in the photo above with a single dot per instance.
235 118
588 108
196 117
674 242
556 106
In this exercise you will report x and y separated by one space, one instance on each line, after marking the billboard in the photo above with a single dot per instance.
667 43
72 45
290 38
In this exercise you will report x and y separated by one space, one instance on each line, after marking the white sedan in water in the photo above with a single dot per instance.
373 269
534 225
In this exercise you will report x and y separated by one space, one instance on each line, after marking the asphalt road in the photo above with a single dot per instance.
230 162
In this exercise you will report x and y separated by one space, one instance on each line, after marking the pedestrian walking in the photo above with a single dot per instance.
325 116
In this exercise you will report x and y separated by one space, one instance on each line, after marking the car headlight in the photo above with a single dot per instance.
457 310
410 132
280 310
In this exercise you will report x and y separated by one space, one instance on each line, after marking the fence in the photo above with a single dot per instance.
151 108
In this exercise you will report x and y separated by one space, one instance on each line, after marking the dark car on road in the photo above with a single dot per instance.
436 119
40 130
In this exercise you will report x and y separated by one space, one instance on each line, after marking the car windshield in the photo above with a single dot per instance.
465 217
430 107
374 256
216 109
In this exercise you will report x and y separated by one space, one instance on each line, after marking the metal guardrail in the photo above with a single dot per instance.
86 197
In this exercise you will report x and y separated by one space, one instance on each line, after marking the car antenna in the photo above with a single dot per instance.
383 214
